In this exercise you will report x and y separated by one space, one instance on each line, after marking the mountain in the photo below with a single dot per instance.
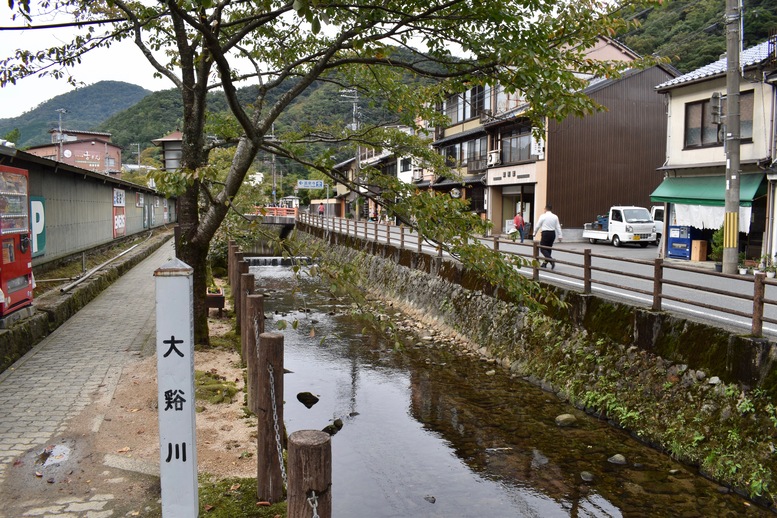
87 108
692 33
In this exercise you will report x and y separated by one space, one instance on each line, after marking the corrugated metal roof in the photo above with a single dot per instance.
747 58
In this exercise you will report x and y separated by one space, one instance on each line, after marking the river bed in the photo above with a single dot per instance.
431 432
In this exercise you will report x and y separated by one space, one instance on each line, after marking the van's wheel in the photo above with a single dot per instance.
644 245
657 242
592 240
616 241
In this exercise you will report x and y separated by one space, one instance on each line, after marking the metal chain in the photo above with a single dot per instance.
313 502
276 426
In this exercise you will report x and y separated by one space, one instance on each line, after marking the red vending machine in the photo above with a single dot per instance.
16 266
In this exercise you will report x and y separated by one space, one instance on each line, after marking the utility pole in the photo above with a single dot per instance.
138 146
732 138
351 94
59 134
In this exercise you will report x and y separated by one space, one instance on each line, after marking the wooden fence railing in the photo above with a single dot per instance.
699 290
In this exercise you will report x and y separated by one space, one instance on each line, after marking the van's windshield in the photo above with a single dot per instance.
638 215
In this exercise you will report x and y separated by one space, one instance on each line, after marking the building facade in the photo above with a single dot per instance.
694 183
88 150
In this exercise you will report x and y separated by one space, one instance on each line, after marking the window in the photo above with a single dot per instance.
110 162
516 145
406 164
451 154
452 109
477 99
701 132
477 152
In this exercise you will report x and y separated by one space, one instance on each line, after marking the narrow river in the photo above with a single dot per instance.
430 432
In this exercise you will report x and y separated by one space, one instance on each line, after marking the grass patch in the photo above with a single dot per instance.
231 497
229 341
213 388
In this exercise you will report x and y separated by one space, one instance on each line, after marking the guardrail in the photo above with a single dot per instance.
275 211
749 299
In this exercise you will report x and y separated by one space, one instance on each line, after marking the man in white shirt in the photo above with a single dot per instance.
548 228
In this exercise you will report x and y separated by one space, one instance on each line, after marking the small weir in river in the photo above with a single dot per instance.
429 431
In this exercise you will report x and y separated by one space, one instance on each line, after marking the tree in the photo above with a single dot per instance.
537 47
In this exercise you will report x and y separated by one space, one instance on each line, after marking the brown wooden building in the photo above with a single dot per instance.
610 157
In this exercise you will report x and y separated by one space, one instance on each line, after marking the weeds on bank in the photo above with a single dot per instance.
231 497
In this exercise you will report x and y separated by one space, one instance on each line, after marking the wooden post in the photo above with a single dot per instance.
175 389
758 304
242 267
375 229
247 283
658 277
388 233
231 249
310 474
536 260
587 271
269 367
235 277
420 246
401 236
254 327
496 244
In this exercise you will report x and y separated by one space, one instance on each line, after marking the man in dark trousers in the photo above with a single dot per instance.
548 228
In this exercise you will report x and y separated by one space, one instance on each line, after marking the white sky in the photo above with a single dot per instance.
122 62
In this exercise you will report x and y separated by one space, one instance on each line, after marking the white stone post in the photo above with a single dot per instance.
175 388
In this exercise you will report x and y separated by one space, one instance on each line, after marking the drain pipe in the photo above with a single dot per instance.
93 270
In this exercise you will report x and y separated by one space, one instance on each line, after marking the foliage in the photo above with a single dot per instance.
13 136
535 47
716 248
692 32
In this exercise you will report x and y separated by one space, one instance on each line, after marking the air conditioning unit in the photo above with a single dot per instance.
493 158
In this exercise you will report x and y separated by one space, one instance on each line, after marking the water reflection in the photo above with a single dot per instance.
428 432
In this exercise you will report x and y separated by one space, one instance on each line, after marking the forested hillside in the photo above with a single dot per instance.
86 108
692 33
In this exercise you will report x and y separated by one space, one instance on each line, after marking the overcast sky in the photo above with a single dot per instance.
123 62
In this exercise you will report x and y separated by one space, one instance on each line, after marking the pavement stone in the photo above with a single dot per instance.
79 362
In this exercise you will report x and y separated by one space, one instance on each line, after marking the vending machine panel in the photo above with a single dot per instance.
16 267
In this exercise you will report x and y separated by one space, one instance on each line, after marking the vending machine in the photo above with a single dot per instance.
16 265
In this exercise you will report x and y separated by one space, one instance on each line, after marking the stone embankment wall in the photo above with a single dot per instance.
55 307
702 394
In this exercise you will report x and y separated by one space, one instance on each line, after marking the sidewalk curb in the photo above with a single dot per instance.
18 341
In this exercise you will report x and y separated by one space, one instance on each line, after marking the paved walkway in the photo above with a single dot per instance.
78 363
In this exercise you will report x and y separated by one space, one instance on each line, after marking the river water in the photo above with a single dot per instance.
430 432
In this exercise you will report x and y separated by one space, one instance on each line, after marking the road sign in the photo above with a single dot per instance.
310 184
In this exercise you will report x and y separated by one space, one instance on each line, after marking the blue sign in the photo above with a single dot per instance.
310 184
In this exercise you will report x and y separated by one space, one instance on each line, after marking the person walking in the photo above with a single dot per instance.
321 209
519 223
548 228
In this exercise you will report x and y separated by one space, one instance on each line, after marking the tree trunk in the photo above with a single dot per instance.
194 252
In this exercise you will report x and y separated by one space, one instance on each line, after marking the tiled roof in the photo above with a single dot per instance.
747 58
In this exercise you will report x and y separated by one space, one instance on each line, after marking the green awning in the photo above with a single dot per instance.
708 190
